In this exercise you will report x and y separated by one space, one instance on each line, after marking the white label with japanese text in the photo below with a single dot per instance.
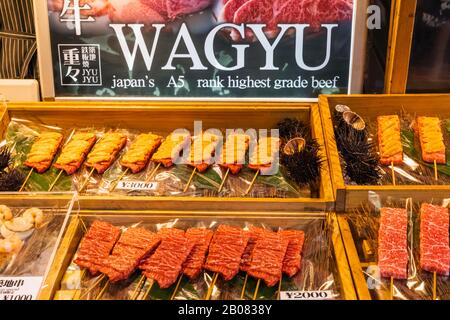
137 185
20 288
306 295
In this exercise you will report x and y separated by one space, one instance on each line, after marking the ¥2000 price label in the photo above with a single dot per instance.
20 288
306 295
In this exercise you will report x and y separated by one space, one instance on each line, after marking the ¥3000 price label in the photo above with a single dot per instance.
306 295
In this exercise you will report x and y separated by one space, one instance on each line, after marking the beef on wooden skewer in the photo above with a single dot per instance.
74 152
393 244
166 264
267 259
292 259
225 253
434 241
193 266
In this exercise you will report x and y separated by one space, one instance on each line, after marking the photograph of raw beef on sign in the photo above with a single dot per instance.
171 65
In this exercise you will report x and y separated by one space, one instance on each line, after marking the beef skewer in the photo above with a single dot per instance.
267 259
434 241
169 151
393 245
196 258
134 244
202 151
139 154
42 153
390 142
225 253
95 246
431 141
262 158
233 155
104 153
165 265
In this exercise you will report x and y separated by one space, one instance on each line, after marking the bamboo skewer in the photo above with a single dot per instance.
434 286
138 288
190 180
391 289
252 183
255 295
176 287
211 286
393 173
87 180
116 182
279 287
435 171
224 179
55 181
100 295
153 172
243 287
147 293
100 279
26 180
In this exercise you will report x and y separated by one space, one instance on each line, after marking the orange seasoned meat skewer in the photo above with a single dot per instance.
389 140
431 139
74 153
43 151
140 152
105 151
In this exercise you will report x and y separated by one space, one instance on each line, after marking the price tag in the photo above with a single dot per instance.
306 295
137 185
20 288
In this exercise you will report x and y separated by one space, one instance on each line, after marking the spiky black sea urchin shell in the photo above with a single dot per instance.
11 180
359 156
5 157
303 166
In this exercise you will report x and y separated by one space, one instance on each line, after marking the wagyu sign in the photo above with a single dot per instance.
137 49
192 55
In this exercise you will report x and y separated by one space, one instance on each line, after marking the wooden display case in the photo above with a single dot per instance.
75 232
167 116
369 107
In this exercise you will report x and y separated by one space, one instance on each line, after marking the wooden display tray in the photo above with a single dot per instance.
349 197
167 116
74 234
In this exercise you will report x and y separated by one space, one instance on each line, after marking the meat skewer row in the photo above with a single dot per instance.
104 153
233 154
42 153
172 253
434 241
73 154
431 141
169 151
139 154
203 149
262 158
389 142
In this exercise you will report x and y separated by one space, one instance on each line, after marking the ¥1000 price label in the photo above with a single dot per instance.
306 295
20 288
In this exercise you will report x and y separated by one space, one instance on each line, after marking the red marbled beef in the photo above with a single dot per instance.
194 262
393 243
434 239
292 259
